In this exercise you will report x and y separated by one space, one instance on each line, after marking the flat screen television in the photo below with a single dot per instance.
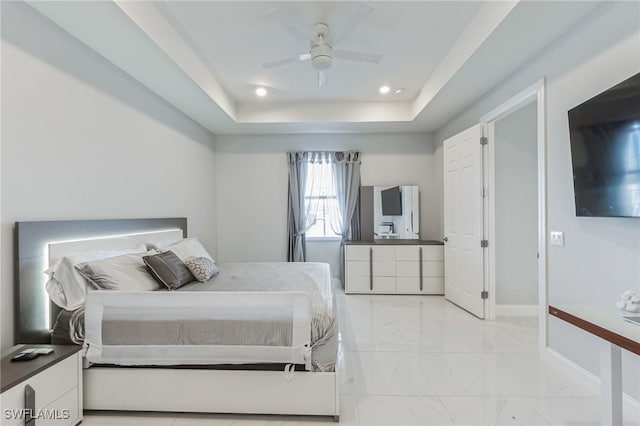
391 201
605 152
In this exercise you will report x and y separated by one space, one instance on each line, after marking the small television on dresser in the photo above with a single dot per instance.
605 152
391 201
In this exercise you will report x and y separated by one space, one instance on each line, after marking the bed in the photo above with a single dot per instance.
186 355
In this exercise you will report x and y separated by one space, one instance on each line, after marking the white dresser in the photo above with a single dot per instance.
408 267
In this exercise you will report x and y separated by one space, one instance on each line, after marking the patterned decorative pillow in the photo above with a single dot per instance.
202 268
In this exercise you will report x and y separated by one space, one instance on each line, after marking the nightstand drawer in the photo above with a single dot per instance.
65 410
50 385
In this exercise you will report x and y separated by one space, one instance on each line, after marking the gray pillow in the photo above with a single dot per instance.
202 268
127 272
168 269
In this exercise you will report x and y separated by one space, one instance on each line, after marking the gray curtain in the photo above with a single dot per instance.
295 219
346 174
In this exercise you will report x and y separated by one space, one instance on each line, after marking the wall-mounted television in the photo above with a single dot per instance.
605 152
391 201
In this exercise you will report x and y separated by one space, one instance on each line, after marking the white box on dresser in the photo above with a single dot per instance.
56 379
394 267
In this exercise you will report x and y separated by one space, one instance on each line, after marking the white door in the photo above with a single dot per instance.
463 220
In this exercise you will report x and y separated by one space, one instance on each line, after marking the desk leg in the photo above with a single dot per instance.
611 387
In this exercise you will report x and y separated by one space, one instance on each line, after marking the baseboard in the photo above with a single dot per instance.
516 310
587 377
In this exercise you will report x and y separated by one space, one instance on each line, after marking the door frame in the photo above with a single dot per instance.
534 93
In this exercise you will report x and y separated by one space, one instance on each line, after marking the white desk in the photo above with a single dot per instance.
607 323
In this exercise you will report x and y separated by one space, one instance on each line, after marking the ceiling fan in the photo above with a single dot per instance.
322 53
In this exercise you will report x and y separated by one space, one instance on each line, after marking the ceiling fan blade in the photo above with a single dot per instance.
352 55
322 78
286 61
286 21
362 10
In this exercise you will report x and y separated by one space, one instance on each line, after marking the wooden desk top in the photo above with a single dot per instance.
14 373
606 322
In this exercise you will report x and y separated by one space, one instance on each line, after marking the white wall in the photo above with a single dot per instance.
81 140
516 198
251 179
602 255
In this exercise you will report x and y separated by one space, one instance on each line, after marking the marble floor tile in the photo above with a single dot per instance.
389 373
346 370
432 336
188 419
578 411
458 374
530 375
402 411
503 411
376 334
488 338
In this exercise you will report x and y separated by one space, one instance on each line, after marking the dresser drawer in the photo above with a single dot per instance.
357 268
408 285
432 269
408 253
357 285
357 252
384 269
433 285
408 269
384 253
433 253
384 284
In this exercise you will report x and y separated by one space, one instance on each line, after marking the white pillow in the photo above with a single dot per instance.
66 287
158 245
127 272
188 248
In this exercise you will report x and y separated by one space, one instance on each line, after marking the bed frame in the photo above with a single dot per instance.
155 388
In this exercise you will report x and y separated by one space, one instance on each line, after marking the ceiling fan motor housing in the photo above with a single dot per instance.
321 57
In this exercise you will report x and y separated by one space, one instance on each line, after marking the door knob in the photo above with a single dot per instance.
445 239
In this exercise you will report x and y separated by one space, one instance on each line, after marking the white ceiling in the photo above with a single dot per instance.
204 57
413 36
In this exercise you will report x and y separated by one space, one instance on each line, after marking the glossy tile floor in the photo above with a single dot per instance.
420 360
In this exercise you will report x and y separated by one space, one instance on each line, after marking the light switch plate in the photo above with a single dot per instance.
557 238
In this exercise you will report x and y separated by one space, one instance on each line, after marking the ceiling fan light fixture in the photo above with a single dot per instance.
261 91
384 89
321 57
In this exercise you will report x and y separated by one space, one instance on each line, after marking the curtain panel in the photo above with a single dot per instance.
346 175
345 166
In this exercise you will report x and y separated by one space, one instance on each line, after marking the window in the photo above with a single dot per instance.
320 201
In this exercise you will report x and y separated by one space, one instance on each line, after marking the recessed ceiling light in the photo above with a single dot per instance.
399 91
261 91
384 89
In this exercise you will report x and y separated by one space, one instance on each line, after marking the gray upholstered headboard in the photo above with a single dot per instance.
34 313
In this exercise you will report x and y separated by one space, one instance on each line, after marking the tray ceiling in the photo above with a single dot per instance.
205 57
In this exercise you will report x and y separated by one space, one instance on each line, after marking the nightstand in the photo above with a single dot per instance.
53 381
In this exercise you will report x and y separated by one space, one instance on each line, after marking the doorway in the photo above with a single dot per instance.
485 289
516 212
